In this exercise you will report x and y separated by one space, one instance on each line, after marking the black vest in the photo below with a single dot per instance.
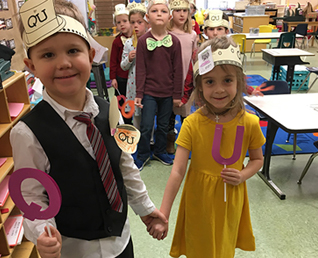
85 211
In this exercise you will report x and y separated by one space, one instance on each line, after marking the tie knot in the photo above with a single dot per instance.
84 118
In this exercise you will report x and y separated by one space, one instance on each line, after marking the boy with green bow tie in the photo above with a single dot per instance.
158 81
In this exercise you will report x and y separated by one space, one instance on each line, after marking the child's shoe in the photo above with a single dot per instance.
140 164
163 158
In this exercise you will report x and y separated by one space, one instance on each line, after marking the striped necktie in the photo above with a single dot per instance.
102 159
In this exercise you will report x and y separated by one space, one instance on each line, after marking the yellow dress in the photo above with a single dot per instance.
206 225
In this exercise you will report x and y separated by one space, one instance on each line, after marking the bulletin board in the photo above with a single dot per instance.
9 31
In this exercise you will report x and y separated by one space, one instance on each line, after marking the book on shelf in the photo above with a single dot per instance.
14 229
4 190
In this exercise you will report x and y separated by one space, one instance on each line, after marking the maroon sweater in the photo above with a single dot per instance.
115 59
159 72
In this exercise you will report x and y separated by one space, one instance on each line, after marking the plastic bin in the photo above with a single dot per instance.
300 74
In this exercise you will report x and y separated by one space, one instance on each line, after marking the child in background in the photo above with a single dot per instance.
116 74
207 226
216 24
53 138
180 26
195 25
158 82
137 12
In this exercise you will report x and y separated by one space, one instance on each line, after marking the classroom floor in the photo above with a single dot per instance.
282 228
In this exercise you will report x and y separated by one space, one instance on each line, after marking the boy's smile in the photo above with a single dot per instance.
63 64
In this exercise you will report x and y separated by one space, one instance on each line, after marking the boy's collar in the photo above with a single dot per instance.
40 22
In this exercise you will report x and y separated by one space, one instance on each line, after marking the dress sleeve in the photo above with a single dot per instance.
113 60
257 136
185 136
125 64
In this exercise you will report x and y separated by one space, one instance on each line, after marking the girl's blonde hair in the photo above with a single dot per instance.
187 26
142 14
197 96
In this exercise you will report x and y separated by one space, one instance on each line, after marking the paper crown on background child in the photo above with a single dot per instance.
228 56
120 9
179 4
215 19
193 2
140 7
153 2
40 22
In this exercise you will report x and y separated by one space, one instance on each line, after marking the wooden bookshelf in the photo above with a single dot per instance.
14 91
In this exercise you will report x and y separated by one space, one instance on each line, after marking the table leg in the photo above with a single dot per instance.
264 174
276 72
290 76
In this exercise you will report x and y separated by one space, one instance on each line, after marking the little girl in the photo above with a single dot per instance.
137 12
208 226
181 26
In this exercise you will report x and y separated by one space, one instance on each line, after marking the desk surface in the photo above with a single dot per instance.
293 112
267 35
281 52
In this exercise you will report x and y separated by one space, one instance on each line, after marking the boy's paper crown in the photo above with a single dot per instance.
215 19
179 5
229 56
40 22
120 9
140 7
153 2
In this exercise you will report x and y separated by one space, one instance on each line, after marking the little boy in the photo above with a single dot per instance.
92 221
117 75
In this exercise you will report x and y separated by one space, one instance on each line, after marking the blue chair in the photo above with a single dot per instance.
286 40
301 29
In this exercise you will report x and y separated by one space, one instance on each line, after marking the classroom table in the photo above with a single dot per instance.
291 24
285 56
267 35
294 113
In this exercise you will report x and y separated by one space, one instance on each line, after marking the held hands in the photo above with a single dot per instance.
132 55
232 176
114 84
138 102
50 247
177 103
157 224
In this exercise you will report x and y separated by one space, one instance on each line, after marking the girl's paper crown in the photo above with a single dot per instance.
179 4
153 2
40 22
215 19
140 7
207 59
120 9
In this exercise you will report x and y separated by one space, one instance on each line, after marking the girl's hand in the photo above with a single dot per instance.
232 176
138 102
114 84
50 247
257 93
158 229
132 55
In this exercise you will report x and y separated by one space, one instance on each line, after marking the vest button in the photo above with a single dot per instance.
109 229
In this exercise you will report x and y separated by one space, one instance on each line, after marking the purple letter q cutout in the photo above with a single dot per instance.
33 211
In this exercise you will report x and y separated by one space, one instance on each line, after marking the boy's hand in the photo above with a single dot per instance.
138 102
132 55
114 84
157 229
155 214
177 102
50 247
232 176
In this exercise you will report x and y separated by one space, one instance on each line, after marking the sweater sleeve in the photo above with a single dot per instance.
177 71
113 60
125 64
140 68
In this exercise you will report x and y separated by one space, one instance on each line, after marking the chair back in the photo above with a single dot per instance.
240 39
265 28
275 87
301 29
286 40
